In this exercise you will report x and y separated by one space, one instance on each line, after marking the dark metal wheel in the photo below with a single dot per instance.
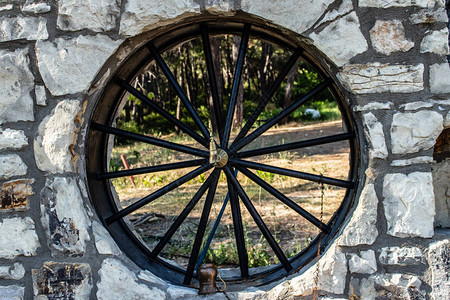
230 163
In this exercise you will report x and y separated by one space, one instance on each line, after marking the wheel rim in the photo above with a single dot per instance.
216 153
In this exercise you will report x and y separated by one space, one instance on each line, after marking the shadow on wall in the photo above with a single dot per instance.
441 178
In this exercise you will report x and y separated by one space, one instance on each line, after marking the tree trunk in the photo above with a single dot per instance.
292 75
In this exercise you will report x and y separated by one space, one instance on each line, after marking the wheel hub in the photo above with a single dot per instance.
217 156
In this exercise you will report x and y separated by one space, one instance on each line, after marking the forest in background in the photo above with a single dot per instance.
187 62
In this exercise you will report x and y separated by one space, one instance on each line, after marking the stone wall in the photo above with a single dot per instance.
54 57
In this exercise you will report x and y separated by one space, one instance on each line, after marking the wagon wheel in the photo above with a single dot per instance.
216 151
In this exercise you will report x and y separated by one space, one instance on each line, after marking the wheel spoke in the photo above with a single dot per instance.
297 145
162 191
152 169
278 117
180 219
235 88
292 173
238 229
201 227
149 140
166 70
162 112
258 220
265 98
277 194
216 111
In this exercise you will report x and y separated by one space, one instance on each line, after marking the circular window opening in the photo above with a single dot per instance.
222 142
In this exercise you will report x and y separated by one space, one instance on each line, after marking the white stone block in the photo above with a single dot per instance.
411 161
375 136
345 7
12 292
41 96
56 134
12 165
286 12
429 16
416 105
395 286
373 106
12 139
396 3
118 282
28 28
16 83
435 42
69 66
439 75
389 36
441 188
379 78
332 274
142 15
6 7
220 7
362 228
18 237
409 204
410 134
15 272
64 216
347 41
95 15
36 7
365 263
438 259
103 241
447 121
404 256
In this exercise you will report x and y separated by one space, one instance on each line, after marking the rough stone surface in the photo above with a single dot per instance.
57 280
95 15
429 16
332 274
362 228
12 139
41 96
23 28
12 292
365 263
410 134
16 83
404 256
439 261
140 16
148 276
36 7
18 237
373 106
435 42
396 3
6 7
416 105
69 66
285 13
117 281
389 36
103 241
64 217
439 73
379 78
220 7
441 188
375 136
14 195
391 286
177 292
411 161
15 272
345 7
12 165
56 136
347 40
409 204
